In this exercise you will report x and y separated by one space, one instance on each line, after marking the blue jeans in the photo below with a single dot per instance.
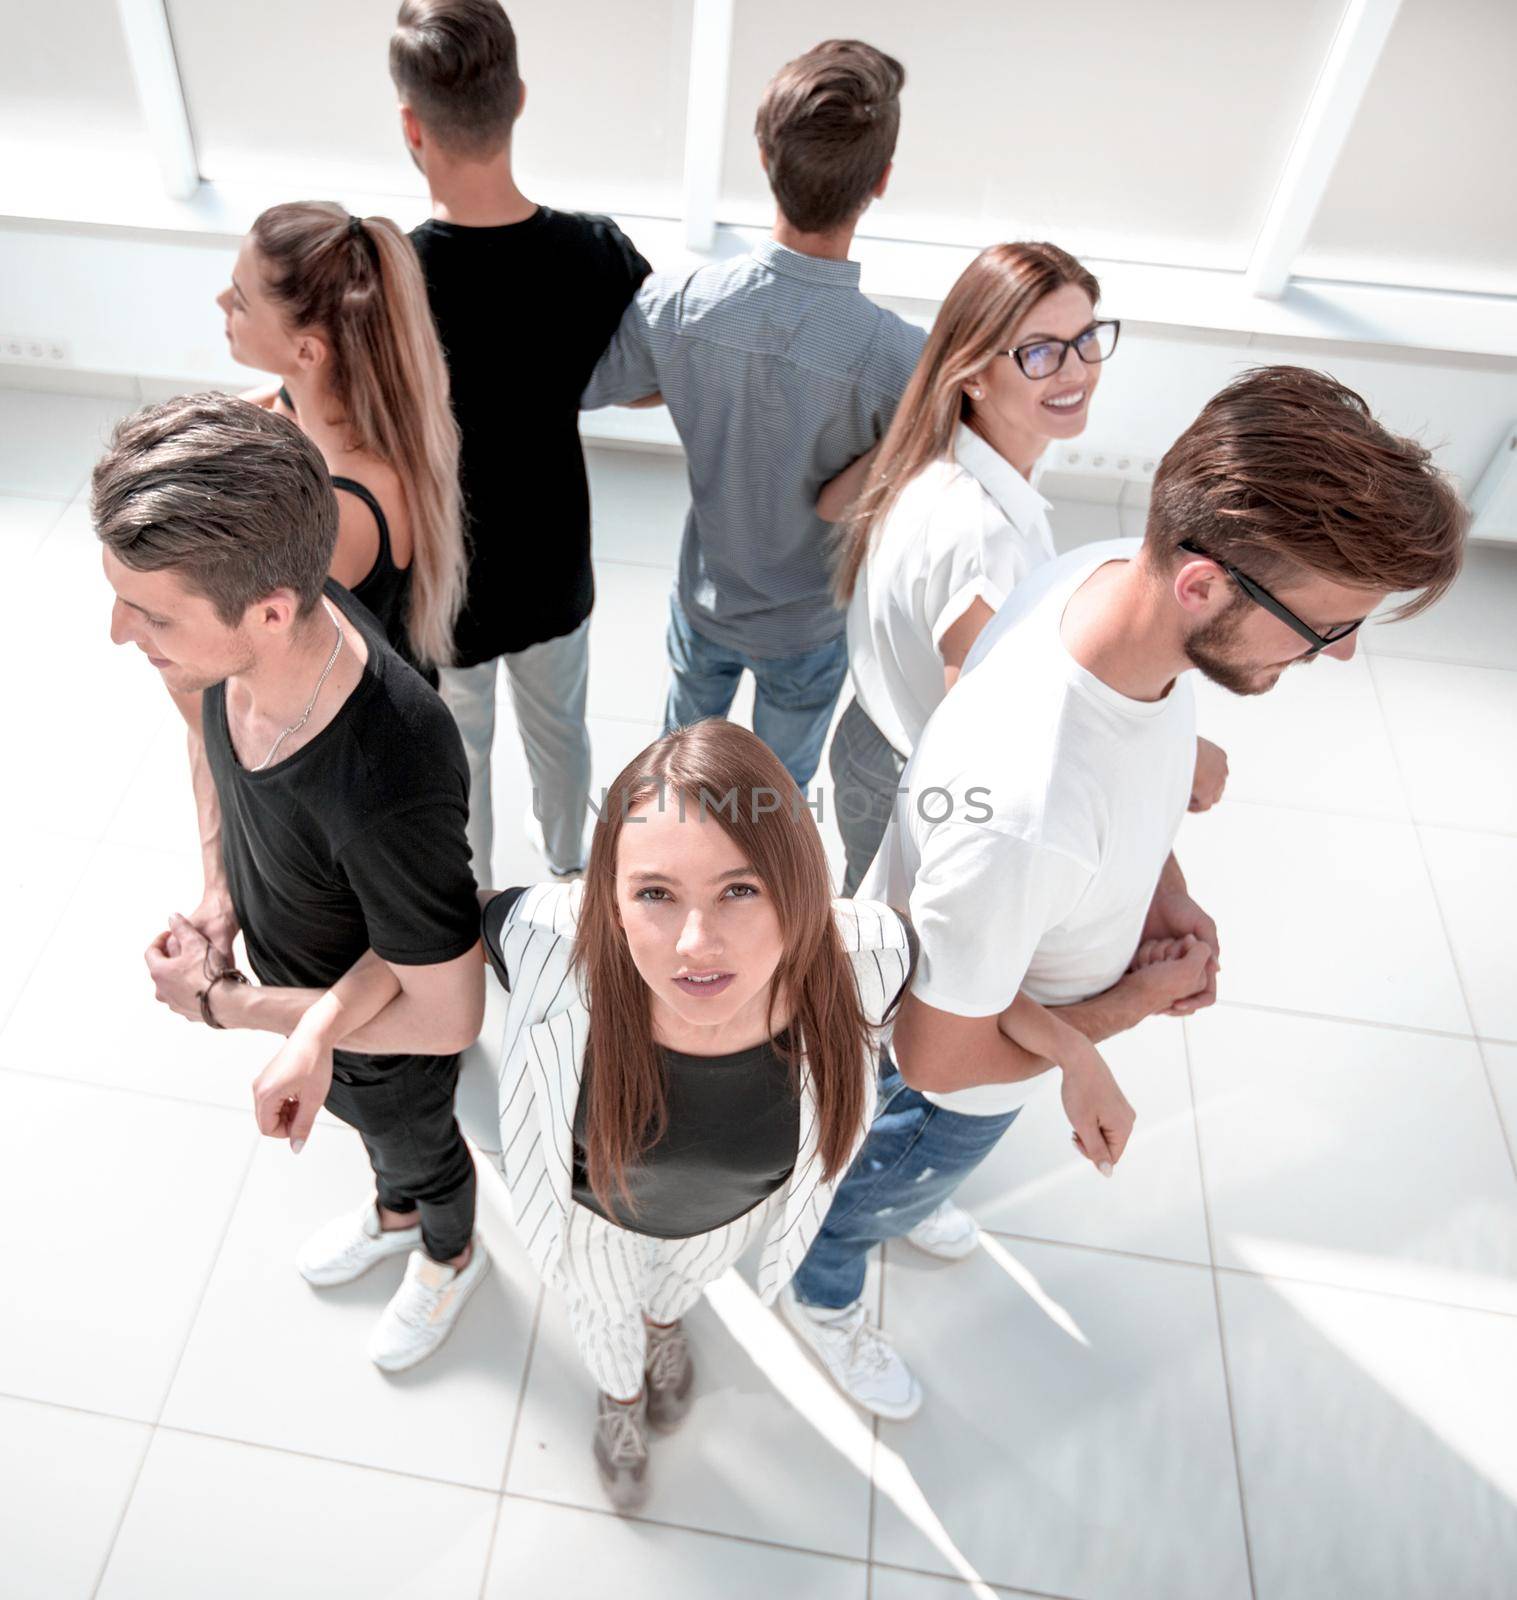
793 699
915 1156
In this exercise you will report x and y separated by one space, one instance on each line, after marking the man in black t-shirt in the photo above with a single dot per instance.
525 300
342 793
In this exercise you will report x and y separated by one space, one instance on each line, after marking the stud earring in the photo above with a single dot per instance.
977 394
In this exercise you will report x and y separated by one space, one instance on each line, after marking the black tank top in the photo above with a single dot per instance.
385 588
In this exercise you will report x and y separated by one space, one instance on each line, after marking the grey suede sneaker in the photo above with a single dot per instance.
621 1451
671 1376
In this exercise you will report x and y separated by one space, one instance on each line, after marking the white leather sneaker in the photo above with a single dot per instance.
857 1356
425 1307
349 1245
949 1233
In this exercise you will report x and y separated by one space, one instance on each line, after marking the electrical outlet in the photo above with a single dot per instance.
34 350
1097 473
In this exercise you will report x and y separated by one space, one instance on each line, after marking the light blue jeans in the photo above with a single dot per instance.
914 1157
548 683
794 696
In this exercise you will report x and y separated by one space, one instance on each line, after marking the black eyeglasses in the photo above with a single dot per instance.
1043 357
1262 597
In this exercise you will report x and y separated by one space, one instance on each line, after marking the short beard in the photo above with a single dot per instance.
1207 651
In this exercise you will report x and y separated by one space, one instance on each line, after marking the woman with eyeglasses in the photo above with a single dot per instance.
946 522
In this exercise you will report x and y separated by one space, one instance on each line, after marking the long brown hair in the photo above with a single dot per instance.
993 293
718 769
358 282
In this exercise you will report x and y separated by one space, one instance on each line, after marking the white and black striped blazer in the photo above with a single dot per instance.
537 1059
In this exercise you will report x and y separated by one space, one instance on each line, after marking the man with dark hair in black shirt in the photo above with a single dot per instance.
342 792
525 300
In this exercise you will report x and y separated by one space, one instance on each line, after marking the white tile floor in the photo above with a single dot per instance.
1276 1357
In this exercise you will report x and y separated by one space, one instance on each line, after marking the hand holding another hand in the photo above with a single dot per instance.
217 922
1178 975
181 964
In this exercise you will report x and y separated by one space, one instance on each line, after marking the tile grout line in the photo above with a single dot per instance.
95 846
1216 1289
997 1588
329 1461
686 1527
505 1471
41 944
287 1450
1439 661
1443 923
1480 1042
252 1444
874 1447
1367 1022
168 1388
122 1088
1398 1295
1409 819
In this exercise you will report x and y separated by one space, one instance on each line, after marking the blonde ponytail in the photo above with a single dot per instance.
360 283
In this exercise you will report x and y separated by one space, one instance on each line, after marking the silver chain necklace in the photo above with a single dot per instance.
305 716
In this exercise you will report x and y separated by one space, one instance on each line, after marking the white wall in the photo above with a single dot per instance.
141 307
1149 135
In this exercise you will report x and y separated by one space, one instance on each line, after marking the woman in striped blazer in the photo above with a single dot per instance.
687 1063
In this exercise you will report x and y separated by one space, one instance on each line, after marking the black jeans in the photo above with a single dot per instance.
402 1107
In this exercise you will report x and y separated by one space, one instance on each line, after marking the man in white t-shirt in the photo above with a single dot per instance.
1032 839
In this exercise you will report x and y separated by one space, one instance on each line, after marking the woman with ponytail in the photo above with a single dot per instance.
336 307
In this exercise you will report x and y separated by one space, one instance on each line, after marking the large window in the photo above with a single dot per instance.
66 85
1423 193
1145 132
291 92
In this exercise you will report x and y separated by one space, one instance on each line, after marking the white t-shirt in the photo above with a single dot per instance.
1040 808
963 529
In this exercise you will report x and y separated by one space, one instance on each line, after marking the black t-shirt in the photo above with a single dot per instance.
733 1132
731 1136
524 312
357 839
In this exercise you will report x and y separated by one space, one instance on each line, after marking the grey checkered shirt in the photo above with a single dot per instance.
778 373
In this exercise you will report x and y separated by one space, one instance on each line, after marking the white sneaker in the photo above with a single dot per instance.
857 1356
949 1233
532 826
425 1307
349 1245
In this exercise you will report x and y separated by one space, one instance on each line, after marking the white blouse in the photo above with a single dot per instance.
965 528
